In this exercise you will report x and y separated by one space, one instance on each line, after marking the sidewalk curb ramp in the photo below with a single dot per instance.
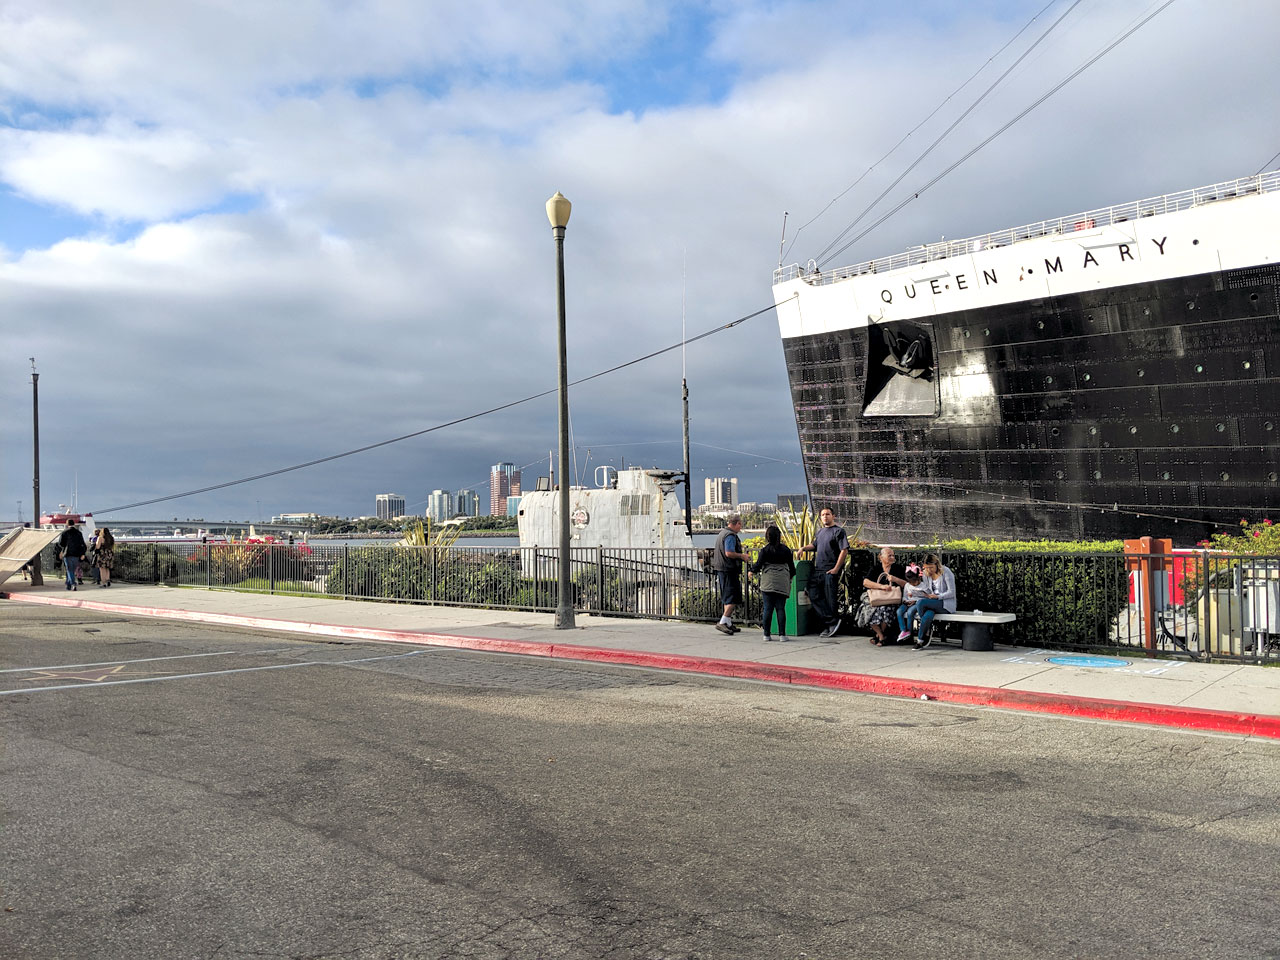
1192 718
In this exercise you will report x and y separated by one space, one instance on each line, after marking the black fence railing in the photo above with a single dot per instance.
1199 603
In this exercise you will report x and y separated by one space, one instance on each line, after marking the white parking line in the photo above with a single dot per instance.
212 673
112 663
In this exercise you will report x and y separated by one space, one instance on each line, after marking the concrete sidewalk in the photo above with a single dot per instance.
1228 698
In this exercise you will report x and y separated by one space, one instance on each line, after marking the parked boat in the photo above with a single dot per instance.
635 509
630 508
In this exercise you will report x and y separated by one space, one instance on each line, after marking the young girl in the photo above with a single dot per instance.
936 594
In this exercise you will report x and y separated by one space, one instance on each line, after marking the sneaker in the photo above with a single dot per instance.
768 639
835 627
734 628
725 629
783 639
904 635
924 641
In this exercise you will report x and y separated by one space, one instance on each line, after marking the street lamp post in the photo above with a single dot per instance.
37 576
558 213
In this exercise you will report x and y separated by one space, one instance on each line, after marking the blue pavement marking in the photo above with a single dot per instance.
1084 661
211 673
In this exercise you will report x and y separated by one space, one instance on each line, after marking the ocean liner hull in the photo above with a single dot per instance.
1111 374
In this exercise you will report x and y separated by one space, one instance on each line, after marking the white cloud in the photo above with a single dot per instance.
116 169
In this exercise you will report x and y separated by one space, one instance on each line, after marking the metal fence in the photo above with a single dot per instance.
1193 603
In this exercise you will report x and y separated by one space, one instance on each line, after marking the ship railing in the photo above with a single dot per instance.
1089 220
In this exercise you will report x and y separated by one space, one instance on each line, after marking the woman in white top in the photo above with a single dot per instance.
936 593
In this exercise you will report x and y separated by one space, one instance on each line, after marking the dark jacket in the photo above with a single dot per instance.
71 543
779 567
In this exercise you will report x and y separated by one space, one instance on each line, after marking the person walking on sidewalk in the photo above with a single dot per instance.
727 563
830 548
71 548
105 556
776 567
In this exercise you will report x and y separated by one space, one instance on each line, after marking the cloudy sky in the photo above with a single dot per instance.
242 235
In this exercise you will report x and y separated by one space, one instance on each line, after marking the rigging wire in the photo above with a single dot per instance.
836 199
947 132
1267 166
1071 76
439 426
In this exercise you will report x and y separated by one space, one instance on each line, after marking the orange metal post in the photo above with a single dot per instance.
1148 557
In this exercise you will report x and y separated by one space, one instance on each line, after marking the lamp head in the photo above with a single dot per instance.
558 211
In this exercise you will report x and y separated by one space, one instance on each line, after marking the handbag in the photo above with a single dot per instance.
863 616
889 597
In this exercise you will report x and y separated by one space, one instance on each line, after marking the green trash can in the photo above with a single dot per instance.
798 607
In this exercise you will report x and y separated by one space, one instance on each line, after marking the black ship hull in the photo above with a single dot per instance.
1150 408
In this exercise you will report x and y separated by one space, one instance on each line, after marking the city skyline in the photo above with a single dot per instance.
222 239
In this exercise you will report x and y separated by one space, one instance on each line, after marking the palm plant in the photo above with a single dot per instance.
418 535
798 529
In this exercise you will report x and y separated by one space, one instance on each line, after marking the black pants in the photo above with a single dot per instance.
775 603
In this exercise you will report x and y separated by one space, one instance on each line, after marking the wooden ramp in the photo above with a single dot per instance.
20 546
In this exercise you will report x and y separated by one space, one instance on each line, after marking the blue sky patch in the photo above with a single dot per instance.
28 225
671 69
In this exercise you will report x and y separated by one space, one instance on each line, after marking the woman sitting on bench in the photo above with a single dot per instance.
891 575
937 594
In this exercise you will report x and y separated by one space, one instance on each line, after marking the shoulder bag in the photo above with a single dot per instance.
888 597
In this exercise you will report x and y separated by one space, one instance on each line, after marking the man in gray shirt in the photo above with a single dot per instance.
831 550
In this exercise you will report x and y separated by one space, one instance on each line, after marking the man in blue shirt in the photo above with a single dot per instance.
831 550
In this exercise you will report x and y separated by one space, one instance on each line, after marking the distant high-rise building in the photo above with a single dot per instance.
440 505
466 504
390 506
722 492
301 518
793 501
504 481
513 506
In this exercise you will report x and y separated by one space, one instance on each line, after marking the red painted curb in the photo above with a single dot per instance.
1193 718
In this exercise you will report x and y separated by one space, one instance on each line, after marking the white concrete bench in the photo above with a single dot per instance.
976 634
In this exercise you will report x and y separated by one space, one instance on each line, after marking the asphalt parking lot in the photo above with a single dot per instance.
184 791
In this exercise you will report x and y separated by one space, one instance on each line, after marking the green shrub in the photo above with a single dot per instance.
381 573
1032 546
465 577
1064 593
700 603
142 562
